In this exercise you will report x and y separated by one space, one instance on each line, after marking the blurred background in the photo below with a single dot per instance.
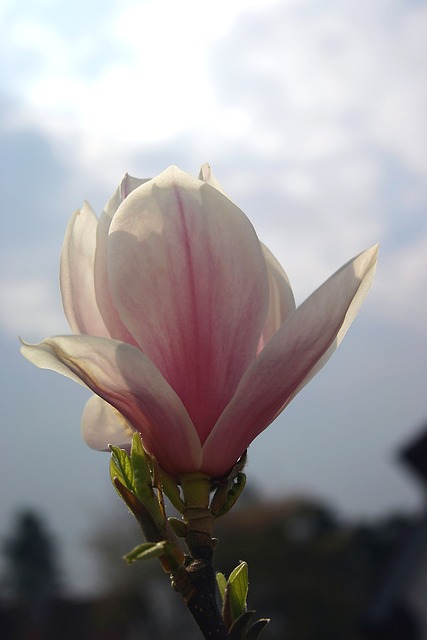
312 114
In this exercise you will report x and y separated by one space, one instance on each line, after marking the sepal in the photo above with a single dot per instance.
237 617
146 476
170 554
179 526
239 628
227 495
135 476
171 490
221 581
236 592
145 551
121 467
144 518
256 628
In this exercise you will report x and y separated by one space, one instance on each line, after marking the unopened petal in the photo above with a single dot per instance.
190 282
103 425
207 175
296 352
281 298
126 379
77 274
126 186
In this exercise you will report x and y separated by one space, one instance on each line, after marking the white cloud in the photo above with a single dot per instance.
153 83
293 82
333 78
300 106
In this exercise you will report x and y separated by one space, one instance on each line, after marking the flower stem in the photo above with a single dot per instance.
201 601
198 586
197 515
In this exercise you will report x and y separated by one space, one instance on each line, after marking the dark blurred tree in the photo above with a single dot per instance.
32 572
32 575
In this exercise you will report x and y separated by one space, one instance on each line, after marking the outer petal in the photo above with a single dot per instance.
102 425
102 285
77 274
297 351
126 379
189 280
282 302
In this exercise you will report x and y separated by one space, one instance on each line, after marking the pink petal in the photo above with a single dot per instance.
102 425
189 280
282 302
103 294
297 351
122 376
77 274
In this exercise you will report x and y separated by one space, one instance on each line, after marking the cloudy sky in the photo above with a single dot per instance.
313 116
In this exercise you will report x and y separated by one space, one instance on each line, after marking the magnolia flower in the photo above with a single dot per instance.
185 325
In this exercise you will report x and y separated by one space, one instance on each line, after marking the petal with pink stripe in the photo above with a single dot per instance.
190 282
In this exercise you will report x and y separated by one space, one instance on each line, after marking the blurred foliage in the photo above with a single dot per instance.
312 574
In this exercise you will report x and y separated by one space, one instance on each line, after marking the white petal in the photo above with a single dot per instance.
102 425
77 274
